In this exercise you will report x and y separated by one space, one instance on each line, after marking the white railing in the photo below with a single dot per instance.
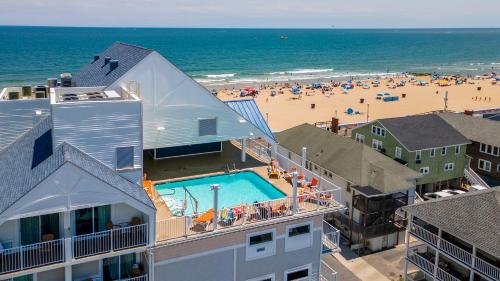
110 240
474 178
330 237
423 234
487 268
327 273
260 150
30 256
455 251
138 278
177 227
421 262
445 276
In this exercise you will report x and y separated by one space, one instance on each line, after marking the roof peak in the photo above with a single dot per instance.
132 45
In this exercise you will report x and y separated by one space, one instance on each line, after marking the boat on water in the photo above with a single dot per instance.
284 37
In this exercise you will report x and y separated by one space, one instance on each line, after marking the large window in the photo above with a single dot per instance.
261 244
39 229
432 152
298 236
42 149
484 165
90 220
299 273
489 149
360 138
457 149
443 151
378 131
397 153
125 157
448 167
418 155
207 127
116 268
376 144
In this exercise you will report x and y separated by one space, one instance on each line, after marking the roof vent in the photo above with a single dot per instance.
106 60
96 57
113 64
66 79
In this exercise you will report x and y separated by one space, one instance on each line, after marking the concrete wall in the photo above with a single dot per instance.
86 270
51 275
223 257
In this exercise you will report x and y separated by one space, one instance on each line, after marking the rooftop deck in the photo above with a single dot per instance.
171 227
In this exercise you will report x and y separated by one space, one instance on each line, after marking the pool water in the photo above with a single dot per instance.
235 189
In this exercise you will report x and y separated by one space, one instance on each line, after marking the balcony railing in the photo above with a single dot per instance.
456 252
487 268
139 278
177 227
424 234
30 256
330 238
421 262
327 273
110 240
445 276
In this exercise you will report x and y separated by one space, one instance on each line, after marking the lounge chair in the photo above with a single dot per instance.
200 223
313 184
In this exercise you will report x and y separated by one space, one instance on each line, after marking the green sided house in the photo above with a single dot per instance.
424 143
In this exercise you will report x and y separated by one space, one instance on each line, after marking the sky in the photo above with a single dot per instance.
253 13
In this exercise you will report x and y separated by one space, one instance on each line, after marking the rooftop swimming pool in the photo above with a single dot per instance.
235 189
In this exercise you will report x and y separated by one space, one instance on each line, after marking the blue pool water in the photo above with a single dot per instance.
235 189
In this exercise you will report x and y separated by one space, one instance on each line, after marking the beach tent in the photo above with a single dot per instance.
316 85
349 111
295 90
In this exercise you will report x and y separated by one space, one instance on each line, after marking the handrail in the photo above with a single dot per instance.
445 276
138 278
330 236
326 272
30 256
455 251
421 262
487 268
472 176
424 234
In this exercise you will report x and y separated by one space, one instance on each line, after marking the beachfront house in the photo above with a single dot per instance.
484 149
455 238
70 207
424 143
180 117
373 186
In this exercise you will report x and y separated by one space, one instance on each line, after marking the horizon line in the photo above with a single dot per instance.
333 27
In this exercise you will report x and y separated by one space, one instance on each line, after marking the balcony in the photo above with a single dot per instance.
138 278
110 240
421 262
31 256
326 273
455 252
330 238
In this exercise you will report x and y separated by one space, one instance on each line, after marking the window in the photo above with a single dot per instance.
378 131
118 267
484 165
448 167
418 155
443 151
42 149
433 152
299 273
397 153
124 157
457 149
377 145
298 236
424 170
269 277
489 149
498 168
360 138
90 220
289 155
261 244
207 127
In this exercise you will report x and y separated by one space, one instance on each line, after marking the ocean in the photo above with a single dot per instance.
30 55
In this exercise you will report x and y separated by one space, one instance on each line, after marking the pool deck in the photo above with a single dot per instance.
204 165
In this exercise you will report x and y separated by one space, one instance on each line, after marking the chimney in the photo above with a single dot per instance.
106 60
113 64
66 80
335 125
96 57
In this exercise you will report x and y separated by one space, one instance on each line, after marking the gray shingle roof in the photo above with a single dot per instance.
97 74
472 217
418 132
18 179
474 128
348 159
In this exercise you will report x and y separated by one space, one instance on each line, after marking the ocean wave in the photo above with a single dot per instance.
309 71
224 75
495 63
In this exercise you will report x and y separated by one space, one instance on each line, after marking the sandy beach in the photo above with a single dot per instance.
285 110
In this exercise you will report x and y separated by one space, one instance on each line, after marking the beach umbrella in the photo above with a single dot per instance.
250 90
349 111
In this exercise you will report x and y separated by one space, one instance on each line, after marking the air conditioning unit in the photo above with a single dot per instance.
13 95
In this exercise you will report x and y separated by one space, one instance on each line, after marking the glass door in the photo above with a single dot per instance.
120 267
91 220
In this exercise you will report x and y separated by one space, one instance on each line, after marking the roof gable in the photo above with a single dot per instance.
19 178
418 132
474 128
98 72
348 159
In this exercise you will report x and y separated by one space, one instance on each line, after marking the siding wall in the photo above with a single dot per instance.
435 164
473 151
